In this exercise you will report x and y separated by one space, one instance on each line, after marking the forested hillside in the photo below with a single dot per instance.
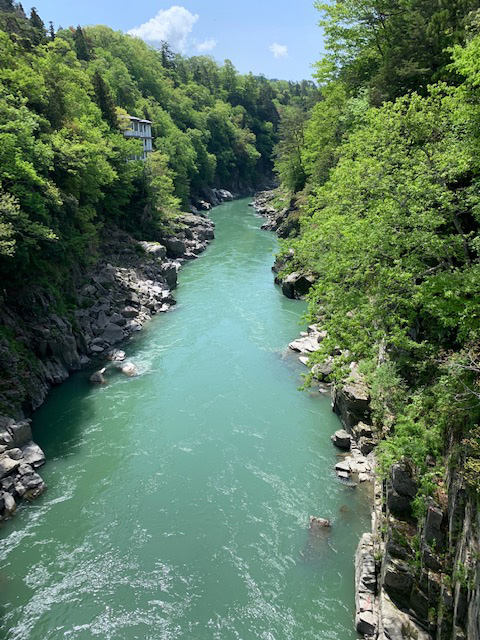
385 169
64 173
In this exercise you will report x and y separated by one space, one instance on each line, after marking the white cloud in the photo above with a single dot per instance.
206 45
173 25
279 50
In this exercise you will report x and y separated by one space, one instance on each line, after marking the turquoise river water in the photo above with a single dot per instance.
178 501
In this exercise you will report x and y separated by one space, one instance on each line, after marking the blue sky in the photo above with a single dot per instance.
277 38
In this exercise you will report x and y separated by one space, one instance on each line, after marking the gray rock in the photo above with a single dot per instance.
398 504
129 369
132 297
343 465
30 485
365 586
14 454
224 196
398 625
9 505
102 320
106 276
89 291
96 349
433 526
6 439
129 312
21 433
133 325
397 580
117 318
5 423
342 439
170 273
154 248
97 377
361 430
7 465
402 480
175 247
296 285
319 523
33 455
323 370
116 355
351 400
113 333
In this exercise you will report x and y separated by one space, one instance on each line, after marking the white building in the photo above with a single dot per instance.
141 129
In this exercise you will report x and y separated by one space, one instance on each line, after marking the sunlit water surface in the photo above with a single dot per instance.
178 501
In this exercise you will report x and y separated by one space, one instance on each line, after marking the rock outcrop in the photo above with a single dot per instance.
297 285
351 399
282 217
19 459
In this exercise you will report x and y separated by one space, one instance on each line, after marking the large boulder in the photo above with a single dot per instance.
319 523
116 355
224 195
397 580
21 432
342 439
323 370
129 369
28 484
401 489
113 333
155 249
351 399
98 377
8 504
129 312
7 465
402 479
170 273
297 285
33 455
396 624
175 247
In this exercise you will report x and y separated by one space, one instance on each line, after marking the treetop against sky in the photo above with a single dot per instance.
277 38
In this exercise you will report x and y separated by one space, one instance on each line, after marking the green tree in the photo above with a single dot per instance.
104 99
288 153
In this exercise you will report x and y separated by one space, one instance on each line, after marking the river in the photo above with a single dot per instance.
178 501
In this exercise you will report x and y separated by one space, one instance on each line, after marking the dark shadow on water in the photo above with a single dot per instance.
58 424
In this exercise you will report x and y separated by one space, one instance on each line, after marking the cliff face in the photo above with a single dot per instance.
417 578
42 341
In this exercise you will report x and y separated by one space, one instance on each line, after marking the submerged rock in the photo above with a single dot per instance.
97 377
116 355
319 523
129 369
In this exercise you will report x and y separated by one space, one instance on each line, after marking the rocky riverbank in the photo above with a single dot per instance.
417 577
42 344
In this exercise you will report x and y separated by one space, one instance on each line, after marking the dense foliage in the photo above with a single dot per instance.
390 161
64 172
